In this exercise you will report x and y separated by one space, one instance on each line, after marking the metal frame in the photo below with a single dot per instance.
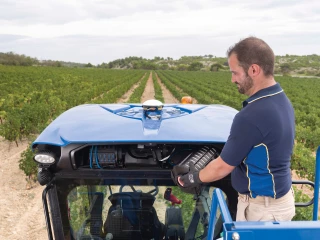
46 209
233 230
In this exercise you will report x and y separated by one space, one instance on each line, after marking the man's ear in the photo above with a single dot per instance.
254 70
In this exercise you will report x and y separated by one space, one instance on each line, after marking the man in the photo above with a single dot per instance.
260 144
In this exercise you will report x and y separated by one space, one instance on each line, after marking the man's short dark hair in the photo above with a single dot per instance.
253 50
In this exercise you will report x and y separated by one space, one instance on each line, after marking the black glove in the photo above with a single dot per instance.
178 171
189 178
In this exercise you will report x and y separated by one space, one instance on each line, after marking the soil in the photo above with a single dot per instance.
149 90
167 95
21 212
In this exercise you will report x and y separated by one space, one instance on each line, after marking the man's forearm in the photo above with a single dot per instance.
215 170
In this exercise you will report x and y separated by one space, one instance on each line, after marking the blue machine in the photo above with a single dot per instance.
107 171
130 123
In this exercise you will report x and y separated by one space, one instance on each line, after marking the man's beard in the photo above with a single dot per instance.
244 87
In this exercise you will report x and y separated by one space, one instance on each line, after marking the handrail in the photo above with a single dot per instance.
218 200
303 182
316 186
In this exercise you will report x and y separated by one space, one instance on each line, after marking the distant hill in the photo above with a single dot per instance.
13 59
305 65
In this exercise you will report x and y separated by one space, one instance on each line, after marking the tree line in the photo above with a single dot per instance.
306 65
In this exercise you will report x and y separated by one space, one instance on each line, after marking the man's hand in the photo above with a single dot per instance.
177 172
186 178
190 179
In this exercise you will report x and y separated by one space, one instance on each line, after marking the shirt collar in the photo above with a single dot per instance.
263 93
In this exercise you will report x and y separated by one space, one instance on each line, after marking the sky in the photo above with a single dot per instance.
99 31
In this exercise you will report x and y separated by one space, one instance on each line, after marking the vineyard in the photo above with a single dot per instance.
31 97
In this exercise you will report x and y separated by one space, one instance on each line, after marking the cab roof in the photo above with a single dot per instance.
130 123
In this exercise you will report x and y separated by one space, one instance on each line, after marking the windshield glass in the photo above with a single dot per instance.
132 212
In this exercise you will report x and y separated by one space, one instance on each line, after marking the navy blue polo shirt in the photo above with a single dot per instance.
260 144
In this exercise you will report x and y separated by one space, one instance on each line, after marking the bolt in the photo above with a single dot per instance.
235 236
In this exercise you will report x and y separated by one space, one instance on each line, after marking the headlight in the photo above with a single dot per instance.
44 158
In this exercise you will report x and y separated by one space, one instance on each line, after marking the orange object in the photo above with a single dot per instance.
186 100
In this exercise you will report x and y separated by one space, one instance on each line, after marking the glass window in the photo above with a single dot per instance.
132 212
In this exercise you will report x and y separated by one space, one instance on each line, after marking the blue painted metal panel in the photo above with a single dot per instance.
316 187
120 123
276 230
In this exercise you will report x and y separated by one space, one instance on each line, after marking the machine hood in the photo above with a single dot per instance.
131 123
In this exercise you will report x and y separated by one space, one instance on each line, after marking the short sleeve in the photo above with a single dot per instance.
244 135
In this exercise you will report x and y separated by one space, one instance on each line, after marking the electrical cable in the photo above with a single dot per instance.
91 157
97 159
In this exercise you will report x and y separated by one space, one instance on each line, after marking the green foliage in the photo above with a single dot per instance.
2 116
126 62
88 65
32 97
136 95
177 93
163 66
195 66
285 65
303 161
182 67
157 89
10 130
146 65
285 68
27 164
187 206
296 61
79 206
11 58
43 107
215 67
103 65
302 213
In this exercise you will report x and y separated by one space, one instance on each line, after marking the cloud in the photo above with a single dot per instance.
156 18
4 38
84 30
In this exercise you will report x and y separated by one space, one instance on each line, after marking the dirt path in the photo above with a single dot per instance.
149 90
21 212
127 95
167 95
